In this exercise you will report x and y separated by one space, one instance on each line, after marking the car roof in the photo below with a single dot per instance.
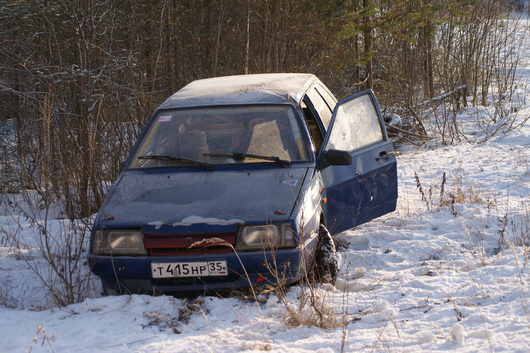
279 88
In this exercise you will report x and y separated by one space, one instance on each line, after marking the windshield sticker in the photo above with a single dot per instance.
164 118
291 182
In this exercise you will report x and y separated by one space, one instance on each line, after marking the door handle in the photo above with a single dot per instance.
384 155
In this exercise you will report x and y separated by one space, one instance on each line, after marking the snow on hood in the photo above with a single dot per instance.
186 198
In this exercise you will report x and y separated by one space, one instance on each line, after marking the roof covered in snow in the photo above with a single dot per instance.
242 89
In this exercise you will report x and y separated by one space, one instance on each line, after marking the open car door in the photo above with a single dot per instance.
366 188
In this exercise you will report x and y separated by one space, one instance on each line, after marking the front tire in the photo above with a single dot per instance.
326 266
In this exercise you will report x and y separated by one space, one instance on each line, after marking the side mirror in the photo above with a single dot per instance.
335 157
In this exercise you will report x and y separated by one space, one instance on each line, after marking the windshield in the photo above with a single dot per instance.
222 135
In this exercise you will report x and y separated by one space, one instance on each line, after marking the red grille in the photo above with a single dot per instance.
171 244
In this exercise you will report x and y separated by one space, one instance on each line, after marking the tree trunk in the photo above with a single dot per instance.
367 33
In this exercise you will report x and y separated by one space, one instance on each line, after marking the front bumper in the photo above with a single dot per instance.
133 274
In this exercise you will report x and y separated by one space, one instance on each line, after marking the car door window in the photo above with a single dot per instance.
356 125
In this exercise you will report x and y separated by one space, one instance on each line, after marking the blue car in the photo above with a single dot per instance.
241 181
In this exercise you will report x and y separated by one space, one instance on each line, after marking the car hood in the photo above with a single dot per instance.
145 198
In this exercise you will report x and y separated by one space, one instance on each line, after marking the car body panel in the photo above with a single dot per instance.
356 199
367 188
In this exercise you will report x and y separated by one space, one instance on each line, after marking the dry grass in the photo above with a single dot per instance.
42 335
440 195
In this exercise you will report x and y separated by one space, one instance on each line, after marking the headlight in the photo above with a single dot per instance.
118 242
265 237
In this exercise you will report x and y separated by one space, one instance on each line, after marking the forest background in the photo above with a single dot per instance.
78 79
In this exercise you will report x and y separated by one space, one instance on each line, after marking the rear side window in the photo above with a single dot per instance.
328 97
320 106
356 125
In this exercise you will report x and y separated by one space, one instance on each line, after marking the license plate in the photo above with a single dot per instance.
189 269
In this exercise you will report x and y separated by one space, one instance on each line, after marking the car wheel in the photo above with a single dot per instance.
326 266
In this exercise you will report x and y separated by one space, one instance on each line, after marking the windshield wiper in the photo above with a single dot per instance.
204 165
240 156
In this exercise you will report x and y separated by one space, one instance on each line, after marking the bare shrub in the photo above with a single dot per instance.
313 309
73 122
56 252
313 306
7 297
472 54
520 229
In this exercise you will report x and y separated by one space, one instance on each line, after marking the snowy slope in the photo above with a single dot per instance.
432 276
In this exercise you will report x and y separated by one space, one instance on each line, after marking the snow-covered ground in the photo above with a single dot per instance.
442 273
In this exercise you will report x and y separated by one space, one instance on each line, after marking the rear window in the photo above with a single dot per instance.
211 135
